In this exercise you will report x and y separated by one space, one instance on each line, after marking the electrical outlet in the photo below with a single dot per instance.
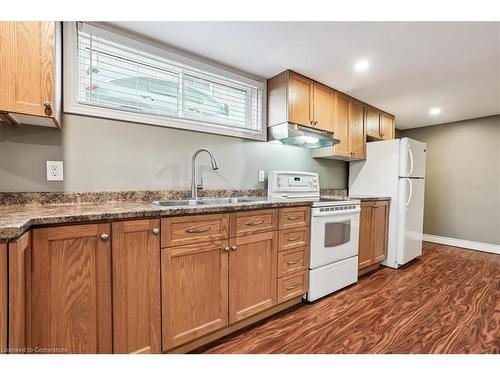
55 170
262 176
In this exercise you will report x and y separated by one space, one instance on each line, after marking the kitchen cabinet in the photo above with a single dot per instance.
71 308
357 138
374 219
252 275
387 126
300 100
136 286
372 121
349 129
323 107
379 125
19 289
31 72
195 291
3 297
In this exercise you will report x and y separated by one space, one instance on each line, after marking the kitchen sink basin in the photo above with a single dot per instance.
204 201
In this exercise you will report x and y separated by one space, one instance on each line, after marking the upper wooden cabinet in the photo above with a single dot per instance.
372 122
357 137
300 100
323 107
387 126
379 125
30 73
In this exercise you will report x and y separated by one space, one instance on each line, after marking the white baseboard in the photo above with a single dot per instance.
481 246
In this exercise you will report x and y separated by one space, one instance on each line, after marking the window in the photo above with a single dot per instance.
113 76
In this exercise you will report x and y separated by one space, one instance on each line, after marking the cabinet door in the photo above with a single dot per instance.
71 289
386 126
380 218
136 286
27 58
357 141
3 297
194 291
341 124
365 235
323 107
300 99
372 120
19 291
252 275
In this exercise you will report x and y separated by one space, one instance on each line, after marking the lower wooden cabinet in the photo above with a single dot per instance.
3 297
252 275
195 291
91 288
71 309
136 286
374 221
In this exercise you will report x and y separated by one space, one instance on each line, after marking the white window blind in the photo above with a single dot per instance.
156 88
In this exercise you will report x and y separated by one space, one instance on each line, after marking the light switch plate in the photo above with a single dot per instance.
262 176
55 170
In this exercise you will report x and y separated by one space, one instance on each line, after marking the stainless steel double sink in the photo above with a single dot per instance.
206 201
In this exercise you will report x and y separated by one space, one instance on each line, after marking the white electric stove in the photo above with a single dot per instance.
334 231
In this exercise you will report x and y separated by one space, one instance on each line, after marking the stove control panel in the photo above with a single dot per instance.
289 184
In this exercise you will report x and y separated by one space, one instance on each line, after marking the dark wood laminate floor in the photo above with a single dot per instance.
448 301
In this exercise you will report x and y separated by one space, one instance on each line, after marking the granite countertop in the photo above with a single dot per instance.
16 219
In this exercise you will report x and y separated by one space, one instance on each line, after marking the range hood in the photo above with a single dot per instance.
300 136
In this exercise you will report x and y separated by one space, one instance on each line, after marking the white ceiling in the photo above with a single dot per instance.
413 65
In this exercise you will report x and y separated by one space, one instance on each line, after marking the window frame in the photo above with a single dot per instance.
72 105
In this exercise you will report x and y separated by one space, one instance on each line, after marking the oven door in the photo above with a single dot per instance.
334 236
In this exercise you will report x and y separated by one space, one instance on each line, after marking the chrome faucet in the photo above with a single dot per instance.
194 186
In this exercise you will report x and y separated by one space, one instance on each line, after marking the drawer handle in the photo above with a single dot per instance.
198 230
293 286
254 223
291 262
293 239
296 217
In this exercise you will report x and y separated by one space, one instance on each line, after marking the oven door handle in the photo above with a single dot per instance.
336 213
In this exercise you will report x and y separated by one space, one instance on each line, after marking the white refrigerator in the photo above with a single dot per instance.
395 168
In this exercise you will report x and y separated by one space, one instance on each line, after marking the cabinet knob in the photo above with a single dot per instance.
233 247
48 108
104 236
227 248
156 230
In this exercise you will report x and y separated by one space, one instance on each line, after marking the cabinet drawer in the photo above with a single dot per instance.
293 260
185 230
292 286
243 223
293 217
293 237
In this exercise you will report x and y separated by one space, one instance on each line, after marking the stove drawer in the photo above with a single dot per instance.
293 260
292 217
292 286
293 238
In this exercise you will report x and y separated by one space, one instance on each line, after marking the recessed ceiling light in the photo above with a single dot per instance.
435 111
361 65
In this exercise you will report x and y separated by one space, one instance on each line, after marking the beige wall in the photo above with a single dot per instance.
111 155
462 191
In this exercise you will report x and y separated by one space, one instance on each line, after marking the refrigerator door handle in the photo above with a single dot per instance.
410 153
411 193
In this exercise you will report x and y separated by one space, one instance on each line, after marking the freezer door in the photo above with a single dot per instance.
410 219
412 158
